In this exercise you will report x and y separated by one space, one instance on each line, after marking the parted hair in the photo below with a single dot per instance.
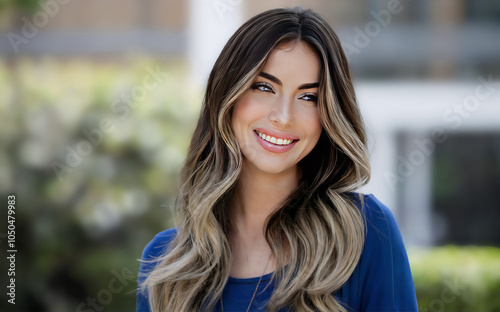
317 234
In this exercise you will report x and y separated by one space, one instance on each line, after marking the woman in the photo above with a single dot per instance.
268 217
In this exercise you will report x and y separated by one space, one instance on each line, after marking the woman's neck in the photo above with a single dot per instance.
257 195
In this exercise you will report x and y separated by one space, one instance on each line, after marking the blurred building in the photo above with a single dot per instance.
442 39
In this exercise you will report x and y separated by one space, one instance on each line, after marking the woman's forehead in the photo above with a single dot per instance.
294 60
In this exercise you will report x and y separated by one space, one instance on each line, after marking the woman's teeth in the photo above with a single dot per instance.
274 140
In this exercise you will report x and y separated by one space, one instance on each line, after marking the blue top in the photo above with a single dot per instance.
382 280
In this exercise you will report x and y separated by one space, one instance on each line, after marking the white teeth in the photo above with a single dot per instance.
274 140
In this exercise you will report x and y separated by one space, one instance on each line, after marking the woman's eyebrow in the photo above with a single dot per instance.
271 77
278 82
309 85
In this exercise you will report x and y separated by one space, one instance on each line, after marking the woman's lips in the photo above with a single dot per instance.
272 147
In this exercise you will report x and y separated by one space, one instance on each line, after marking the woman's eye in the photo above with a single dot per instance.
261 86
309 97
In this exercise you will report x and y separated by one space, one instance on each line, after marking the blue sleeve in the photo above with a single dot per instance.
384 280
155 248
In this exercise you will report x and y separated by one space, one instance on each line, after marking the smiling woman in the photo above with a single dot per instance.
269 219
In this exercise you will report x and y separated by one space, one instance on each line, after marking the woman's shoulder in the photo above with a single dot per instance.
384 251
160 242
382 280
379 218
382 230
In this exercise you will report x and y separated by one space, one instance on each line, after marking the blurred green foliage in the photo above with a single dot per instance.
22 4
76 232
452 278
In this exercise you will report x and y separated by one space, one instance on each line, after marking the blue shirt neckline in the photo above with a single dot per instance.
249 280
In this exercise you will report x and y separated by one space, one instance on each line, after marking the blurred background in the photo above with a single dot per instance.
99 98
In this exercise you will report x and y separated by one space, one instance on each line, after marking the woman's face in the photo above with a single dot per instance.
276 121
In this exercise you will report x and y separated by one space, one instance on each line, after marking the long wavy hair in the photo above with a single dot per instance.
319 222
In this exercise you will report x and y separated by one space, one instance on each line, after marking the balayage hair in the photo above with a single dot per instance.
317 234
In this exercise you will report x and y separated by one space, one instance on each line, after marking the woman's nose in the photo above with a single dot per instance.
282 113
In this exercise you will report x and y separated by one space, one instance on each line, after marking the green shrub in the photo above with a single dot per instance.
452 278
80 227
